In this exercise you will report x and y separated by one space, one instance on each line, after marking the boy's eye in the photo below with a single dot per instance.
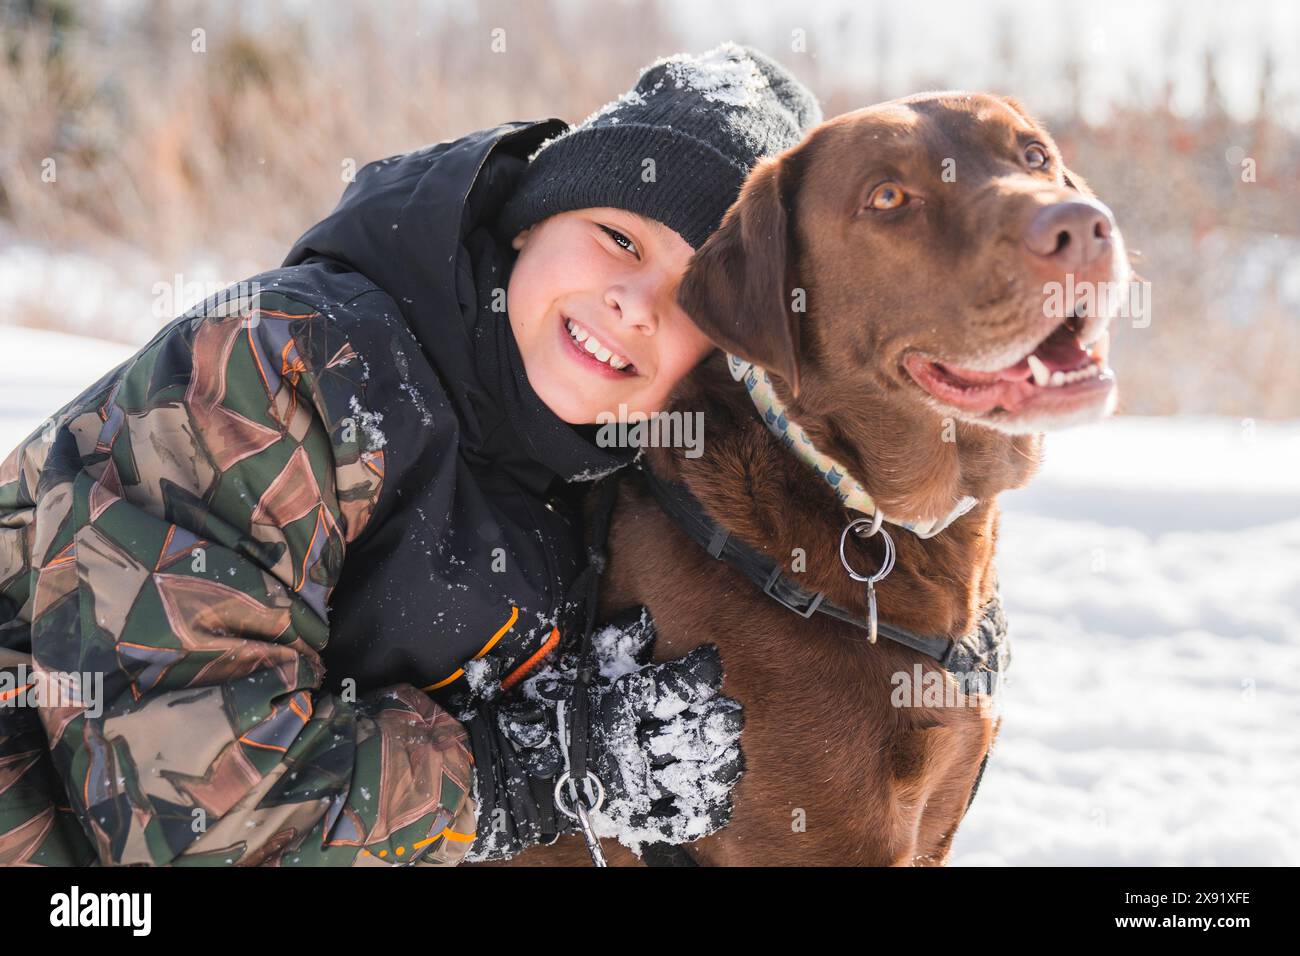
621 239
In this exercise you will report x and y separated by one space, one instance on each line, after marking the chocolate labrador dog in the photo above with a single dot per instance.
921 285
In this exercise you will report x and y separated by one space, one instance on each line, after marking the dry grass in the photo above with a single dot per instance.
167 156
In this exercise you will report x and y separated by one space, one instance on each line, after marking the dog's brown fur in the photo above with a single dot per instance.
835 774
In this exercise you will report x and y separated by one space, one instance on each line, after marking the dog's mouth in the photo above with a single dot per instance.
1059 376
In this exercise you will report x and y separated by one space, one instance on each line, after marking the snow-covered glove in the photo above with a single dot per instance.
663 741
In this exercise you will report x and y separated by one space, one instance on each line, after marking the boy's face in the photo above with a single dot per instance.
608 276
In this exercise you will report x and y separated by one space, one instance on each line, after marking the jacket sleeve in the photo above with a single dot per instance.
170 539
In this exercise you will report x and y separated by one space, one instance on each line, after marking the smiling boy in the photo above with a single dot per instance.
593 306
302 528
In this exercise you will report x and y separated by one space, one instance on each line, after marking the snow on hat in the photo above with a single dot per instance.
704 121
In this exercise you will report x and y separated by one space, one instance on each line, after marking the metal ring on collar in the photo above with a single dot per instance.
885 567
877 517
559 800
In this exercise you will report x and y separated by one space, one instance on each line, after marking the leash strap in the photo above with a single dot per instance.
588 585
653 854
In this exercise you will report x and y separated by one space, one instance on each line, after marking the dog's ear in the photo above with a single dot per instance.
1072 179
1019 108
737 287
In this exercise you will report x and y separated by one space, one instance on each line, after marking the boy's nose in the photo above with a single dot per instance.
635 312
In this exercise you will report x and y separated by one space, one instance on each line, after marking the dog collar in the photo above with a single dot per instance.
850 491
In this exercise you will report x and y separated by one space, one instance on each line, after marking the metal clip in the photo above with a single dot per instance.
886 565
579 812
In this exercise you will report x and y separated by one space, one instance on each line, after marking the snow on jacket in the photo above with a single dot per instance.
273 539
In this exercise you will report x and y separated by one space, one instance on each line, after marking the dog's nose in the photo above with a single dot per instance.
1071 235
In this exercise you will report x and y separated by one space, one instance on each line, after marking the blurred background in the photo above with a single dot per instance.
198 140
152 153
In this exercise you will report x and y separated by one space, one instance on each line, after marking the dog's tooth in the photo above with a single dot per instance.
1058 377
1041 375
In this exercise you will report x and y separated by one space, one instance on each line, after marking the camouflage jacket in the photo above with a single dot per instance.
170 545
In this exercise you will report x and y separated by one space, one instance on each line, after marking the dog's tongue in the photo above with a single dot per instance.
1059 351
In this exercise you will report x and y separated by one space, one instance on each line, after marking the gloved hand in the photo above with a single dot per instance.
663 741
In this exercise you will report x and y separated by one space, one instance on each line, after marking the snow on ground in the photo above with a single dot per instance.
1151 575
119 293
42 371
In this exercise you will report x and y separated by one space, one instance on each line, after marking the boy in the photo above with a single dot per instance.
306 524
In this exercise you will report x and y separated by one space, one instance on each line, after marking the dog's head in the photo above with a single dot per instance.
933 250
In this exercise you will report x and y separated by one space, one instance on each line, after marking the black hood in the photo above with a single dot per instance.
421 227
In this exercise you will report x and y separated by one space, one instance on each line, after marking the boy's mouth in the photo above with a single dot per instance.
587 349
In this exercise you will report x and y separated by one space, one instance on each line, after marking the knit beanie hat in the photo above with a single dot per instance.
704 121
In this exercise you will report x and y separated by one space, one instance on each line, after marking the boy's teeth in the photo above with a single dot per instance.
594 348
578 333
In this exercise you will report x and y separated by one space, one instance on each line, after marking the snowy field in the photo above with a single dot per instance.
43 371
1151 575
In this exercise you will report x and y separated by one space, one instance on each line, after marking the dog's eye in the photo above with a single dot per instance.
887 196
1036 156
